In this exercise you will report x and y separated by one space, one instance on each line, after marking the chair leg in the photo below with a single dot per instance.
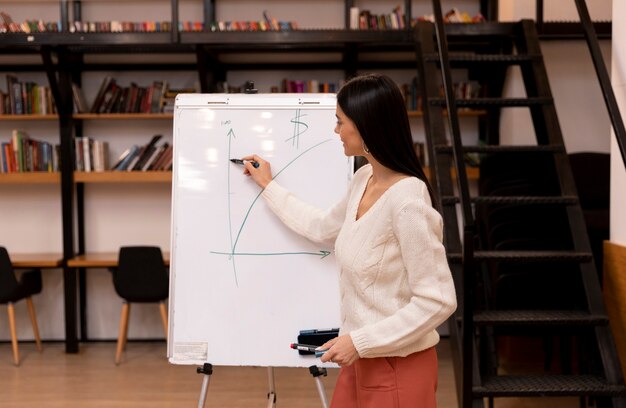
121 340
163 317
16 352
33 321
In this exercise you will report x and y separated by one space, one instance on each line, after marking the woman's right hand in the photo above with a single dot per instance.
262 174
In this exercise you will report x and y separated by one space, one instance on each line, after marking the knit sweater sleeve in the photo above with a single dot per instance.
418 229
311 222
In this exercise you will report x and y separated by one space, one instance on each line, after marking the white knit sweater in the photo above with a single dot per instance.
395 283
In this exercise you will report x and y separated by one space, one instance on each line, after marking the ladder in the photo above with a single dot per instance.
518 249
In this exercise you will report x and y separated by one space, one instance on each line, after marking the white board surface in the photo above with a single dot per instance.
242 285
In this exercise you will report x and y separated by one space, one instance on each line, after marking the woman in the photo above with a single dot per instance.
395 284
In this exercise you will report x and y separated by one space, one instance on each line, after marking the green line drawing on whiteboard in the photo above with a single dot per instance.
232 254
295 139
231 135
321 253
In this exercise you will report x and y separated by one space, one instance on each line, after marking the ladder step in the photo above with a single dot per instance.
525 256
503 149
522 200
484 102
547 385
508 59
486 29
539 318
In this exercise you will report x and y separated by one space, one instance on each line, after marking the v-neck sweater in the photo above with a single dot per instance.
394 280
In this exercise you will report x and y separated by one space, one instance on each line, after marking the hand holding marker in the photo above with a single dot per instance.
239 161
309 348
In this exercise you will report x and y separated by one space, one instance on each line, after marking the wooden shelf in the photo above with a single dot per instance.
123 177
30 178
30 116
102 260
124 116
36 260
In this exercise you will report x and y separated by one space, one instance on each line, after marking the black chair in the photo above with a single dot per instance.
12 290
141 277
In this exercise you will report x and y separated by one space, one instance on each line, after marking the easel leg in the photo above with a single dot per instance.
317 372
271 395
207 370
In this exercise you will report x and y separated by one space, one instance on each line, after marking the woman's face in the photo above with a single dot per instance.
349 135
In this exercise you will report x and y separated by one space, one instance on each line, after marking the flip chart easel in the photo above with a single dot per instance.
242 284
316 372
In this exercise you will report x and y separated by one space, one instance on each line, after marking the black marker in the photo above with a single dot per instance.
304 347
239 161
319 331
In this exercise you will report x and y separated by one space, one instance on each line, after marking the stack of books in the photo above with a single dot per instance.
91 155
26 98
23 154
113 98
7 25
146 158
120 26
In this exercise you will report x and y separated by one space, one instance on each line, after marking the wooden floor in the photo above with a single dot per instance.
145 379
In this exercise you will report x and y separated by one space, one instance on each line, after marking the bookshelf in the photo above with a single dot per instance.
207 58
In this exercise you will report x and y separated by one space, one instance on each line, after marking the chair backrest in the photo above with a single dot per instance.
141 275
8 281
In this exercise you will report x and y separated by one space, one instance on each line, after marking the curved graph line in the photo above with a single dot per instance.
323 253
245 218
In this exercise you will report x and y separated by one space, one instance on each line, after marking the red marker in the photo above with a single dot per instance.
309 348
304 347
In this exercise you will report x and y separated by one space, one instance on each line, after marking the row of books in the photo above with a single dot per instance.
242 26
26 98
7 25
365 20
120 26
150 157
90 155
462 90
113 98
359 20
454 16
268 23
23 154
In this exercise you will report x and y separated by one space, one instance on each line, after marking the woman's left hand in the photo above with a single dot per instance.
340 350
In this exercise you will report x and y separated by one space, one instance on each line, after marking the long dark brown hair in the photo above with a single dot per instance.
376 106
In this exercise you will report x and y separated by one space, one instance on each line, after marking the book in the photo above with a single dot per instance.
165 157
122 157
145 154
154 157
100 155
128 157
102 91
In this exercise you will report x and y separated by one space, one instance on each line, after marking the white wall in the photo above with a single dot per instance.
578 98
140 213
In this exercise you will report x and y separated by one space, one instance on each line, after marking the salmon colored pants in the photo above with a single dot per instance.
388 382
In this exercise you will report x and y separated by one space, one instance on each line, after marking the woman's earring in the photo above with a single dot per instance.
365 149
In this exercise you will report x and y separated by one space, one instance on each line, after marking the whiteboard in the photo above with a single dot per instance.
242 285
